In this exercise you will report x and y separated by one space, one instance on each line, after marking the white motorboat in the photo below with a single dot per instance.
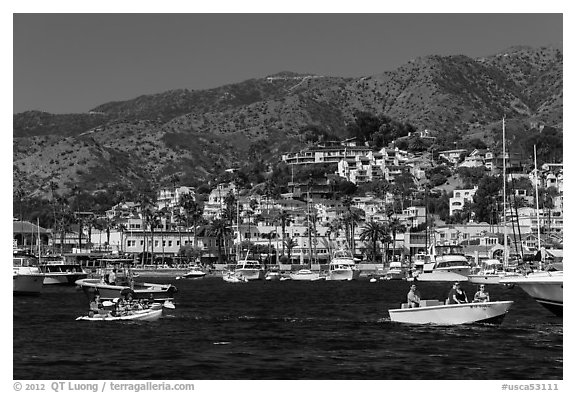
27 278
194 272
544 287
124 280
57 271
445 263
395 272
342 267
234 277
305 275
250 269
491 272
437 313
273 275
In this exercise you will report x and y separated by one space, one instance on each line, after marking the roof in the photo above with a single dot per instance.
27 227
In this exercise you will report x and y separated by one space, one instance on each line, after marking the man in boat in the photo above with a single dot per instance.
457 295
413 297
481 296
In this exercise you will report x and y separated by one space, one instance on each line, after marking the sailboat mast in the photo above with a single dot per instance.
505 254
38 229
537 204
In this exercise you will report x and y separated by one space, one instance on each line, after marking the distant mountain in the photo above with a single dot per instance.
197 134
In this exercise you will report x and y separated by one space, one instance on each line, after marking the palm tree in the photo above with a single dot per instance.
353 217
395 226
220 230
284 218
372 232
290 244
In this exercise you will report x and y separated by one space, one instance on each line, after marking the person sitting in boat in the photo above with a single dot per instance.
413 297
112 277
95 303
481 296
457 295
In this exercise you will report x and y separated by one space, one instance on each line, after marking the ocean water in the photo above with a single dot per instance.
288 330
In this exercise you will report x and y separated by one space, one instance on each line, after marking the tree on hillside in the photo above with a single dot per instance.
488 189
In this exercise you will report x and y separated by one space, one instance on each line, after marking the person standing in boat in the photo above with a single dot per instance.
413 297
481 296
457 295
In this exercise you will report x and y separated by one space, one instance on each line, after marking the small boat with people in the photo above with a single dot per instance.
437 312
27 278
117 276
126 308
342 267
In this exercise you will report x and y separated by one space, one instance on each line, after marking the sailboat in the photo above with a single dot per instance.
492 270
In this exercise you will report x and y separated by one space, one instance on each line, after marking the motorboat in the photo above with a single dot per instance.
194 272
234 277
57 271
250 269
444 263
437 313
27 278
273 275
544 287
491 272
305 275
111 313
395 272
110 289
342 267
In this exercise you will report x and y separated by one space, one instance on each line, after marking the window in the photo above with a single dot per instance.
169 243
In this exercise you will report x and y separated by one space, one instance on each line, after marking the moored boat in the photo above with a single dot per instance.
395 272
109 288
27 279
437 313
491 272
57 271
195 272
445 263
342 267
544 287
250 269
305 275
233 277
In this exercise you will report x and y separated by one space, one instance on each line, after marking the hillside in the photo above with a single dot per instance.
198 134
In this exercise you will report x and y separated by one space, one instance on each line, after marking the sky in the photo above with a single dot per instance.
71 63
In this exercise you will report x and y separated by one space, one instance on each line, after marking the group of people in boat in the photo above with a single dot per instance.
123 305
456 295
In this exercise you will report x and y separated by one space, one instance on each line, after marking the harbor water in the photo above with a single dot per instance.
262 330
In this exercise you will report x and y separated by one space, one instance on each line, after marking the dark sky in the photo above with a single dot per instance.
69 63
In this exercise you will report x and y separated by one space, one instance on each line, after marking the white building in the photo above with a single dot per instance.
460 197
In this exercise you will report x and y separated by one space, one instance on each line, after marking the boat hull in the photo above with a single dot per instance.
343 275
454 314
159 292
545 288
67 279
441 276
251 274
312 276
145 315
27 284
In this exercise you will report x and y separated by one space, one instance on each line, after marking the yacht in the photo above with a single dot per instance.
342 267
27 278
250 269
491 272
445 263
57 271
544 287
